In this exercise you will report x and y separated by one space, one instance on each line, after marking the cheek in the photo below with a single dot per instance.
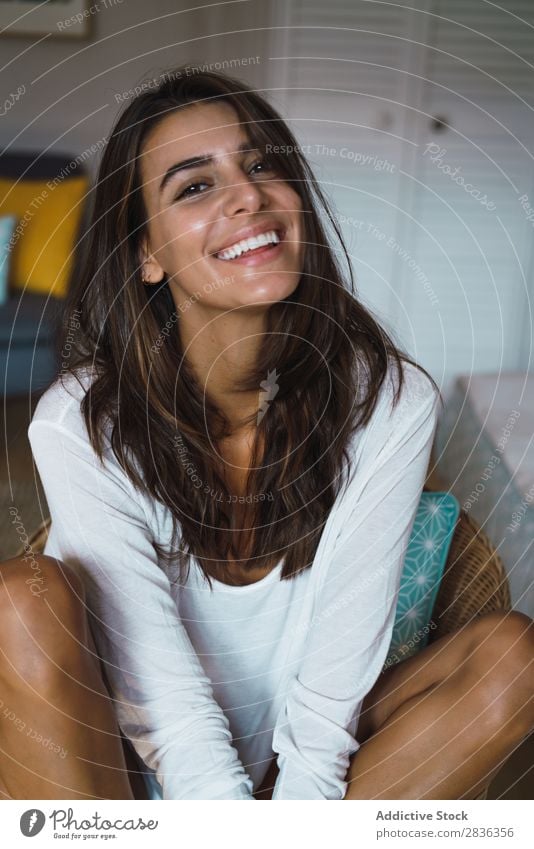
184 237
195 226
294 202
292 198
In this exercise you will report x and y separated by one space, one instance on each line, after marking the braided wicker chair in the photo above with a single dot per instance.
474 580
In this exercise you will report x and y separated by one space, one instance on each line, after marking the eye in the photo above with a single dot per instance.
266 165
191 190
187 193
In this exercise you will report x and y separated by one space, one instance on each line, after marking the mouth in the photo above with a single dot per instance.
263 248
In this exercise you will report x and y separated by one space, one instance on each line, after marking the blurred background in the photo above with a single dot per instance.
418 121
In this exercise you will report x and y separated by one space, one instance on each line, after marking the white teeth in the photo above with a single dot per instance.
270 237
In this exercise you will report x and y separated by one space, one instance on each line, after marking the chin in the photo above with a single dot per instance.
272 288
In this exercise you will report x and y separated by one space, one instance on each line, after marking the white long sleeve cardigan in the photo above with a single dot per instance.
208 685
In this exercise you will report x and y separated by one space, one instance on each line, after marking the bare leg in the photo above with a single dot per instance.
440 725
59 738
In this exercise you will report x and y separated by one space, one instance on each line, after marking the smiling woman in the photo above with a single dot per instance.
185 184
211 208
231 507
224 211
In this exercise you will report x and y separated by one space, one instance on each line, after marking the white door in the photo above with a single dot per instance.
470 227
335 75
419 124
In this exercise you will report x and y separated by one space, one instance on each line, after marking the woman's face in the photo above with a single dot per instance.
195 211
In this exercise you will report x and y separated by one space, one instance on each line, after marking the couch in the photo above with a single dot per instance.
29 320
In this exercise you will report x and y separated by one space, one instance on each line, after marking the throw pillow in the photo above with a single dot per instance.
49 215
426 555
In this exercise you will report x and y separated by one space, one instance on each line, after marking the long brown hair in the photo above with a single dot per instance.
326 351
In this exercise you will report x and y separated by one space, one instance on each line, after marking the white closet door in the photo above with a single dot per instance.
336 76
474 238
367 87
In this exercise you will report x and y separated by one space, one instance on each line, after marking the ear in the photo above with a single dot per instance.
151 270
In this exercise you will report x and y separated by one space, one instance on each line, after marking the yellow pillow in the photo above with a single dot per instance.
48 218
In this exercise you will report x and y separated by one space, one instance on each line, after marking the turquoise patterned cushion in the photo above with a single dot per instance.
425 560
7 225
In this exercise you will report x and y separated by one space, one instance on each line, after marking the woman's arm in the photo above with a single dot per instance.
351 627
162 698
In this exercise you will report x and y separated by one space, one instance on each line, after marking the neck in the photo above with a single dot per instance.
220 346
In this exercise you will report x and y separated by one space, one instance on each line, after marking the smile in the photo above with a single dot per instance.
262 243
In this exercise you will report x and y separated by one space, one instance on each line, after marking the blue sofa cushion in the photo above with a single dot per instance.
427 552
28 320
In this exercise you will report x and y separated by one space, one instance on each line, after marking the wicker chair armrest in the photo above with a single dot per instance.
474 580
37 540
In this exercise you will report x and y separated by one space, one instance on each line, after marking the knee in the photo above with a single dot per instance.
508 635
26 580
42 610
502 653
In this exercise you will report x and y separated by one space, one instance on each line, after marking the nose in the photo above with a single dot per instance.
242 194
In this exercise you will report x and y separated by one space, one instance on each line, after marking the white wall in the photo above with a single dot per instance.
380 92
71 85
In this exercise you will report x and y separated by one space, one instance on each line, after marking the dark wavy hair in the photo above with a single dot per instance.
329 353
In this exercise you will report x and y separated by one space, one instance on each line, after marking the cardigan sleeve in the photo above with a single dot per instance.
162 698
351 628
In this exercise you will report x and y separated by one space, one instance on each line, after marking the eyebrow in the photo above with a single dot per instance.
194 162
